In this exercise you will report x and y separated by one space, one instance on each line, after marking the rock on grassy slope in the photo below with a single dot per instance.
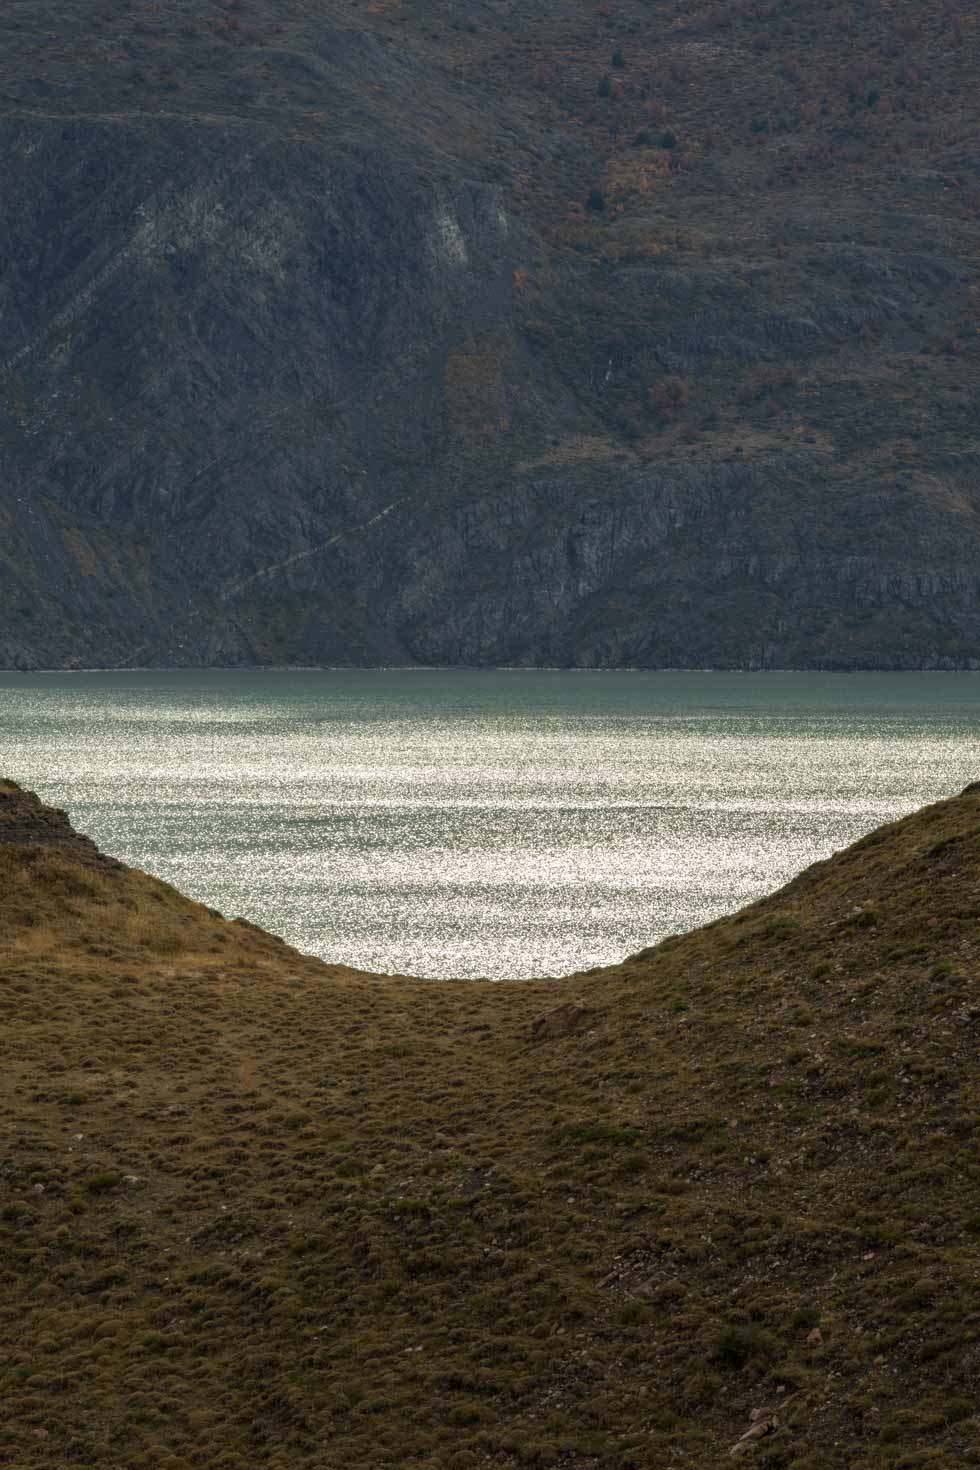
258 1211
393 331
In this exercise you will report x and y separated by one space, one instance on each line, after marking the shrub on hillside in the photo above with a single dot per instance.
667 396
736 1345
763 379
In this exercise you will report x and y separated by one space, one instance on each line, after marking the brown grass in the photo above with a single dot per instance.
261 1211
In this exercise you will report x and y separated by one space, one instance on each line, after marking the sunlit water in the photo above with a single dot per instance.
499 823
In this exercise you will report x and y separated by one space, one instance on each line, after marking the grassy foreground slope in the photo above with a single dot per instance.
259 1211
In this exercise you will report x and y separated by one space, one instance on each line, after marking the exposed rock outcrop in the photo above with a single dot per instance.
560 1020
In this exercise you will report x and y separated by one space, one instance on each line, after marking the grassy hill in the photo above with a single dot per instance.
259 1211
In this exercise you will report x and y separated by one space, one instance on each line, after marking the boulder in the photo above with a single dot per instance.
559 1021
765 1423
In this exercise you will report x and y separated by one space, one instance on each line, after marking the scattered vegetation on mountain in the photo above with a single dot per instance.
257 1211
538 215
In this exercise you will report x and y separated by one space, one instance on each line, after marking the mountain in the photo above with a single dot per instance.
720 1199
384 331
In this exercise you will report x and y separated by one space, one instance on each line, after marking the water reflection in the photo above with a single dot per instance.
502 823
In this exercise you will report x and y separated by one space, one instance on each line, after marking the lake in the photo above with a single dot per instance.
499 823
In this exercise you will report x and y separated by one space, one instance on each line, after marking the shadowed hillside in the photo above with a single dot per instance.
259 1211
391 331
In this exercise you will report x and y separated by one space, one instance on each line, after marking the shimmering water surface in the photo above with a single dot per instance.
500 823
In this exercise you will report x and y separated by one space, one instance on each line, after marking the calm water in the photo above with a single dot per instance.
504 824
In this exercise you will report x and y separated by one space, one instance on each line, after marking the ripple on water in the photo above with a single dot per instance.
503 823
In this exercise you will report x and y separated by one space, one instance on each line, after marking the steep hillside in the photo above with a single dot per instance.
261 1212
388 332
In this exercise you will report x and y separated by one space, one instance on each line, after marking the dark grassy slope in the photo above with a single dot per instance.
257 1211
313 353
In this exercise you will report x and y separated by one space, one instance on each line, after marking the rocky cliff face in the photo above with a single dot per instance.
310 353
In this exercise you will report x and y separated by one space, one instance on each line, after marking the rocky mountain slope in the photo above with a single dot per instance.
258 1211
380 331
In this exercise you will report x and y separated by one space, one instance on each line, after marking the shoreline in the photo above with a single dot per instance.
478 669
